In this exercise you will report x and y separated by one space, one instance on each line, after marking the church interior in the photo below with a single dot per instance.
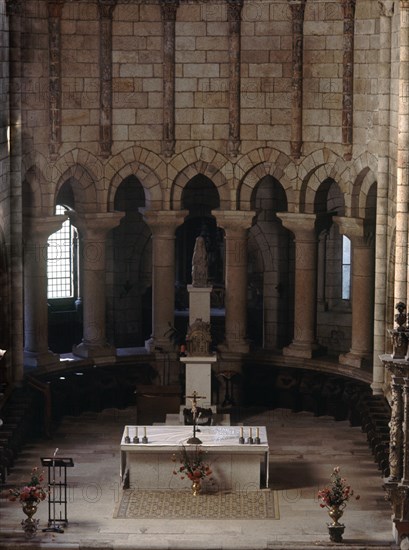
204 226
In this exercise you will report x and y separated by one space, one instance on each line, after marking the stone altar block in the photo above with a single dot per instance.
235 466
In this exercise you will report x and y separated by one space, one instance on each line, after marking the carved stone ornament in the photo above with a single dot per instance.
198 339
13 7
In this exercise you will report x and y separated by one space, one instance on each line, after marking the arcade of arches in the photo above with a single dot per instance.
275 129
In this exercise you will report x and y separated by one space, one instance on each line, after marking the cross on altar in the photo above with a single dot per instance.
194 397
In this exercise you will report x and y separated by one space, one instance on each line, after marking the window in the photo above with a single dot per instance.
346 268
60 260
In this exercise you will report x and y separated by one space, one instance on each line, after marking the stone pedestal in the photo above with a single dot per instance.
199 378
199 303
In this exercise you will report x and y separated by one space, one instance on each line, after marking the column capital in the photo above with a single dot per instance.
386 7
106 8
404 4
55 8
355 229
95 225
302 225
163 222
297 8
41 228
234 8
234 219
169 9
13 7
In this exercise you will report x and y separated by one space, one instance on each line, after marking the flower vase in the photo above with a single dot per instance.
336 529
29 524
196 487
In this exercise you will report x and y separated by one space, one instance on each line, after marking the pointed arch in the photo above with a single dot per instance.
83 188
205 161
258 164
147 167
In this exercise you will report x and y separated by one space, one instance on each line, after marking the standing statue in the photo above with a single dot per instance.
199 263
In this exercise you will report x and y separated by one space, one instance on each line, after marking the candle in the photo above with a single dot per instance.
136 431
251 432
241 431
144 432
126 431
257 433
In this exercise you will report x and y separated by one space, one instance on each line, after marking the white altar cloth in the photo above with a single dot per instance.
235 466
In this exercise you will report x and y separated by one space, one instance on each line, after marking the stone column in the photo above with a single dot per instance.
348 7
163 225
234 8
235 225
36 232
362 284
402 191
405 465
93 229
169 9
297 12
54 46
381 255
106 8
302 226
16 331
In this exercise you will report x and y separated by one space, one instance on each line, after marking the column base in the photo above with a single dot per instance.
401 532
40 359
353 359
304 350
87 351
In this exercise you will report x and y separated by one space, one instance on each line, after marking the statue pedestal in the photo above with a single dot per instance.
199 303
199 378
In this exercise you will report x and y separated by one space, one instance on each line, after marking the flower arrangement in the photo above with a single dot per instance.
338 493
192 465
32 491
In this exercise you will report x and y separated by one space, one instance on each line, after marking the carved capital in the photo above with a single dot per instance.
13 7
106 8
297 8
55 8
404 4
386 8
234 8
348 8
169 9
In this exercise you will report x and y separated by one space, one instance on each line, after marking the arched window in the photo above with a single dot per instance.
346 268
61 261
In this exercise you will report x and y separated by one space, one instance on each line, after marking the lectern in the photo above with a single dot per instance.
58 497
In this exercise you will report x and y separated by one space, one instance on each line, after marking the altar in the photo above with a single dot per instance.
236 466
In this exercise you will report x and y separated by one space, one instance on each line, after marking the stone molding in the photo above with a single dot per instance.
348 8
106 8
297 11
234 8
169 9
54 43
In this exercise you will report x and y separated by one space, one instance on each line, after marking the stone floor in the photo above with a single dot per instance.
303 451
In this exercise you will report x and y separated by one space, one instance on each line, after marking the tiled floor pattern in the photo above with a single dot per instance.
303 451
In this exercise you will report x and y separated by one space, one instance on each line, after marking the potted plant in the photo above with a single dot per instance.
335 498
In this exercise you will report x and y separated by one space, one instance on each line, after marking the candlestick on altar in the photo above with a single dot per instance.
145 438
136 438
257 439
127 438
241 438
250 437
